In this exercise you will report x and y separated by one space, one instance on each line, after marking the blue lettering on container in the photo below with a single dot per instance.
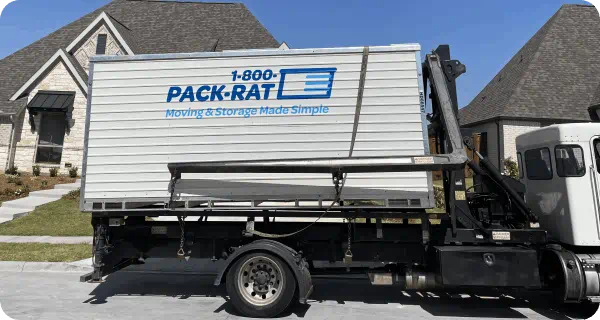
188 93
316 83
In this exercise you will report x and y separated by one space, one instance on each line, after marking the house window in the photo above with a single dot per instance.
538 164
101 44
569 161
483 144
51 137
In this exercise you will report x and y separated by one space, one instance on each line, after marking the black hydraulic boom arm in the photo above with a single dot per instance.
440 72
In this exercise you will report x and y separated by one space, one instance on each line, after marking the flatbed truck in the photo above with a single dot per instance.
490 236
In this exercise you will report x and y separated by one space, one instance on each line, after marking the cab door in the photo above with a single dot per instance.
595 173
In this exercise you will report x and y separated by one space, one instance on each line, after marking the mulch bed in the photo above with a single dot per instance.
15 187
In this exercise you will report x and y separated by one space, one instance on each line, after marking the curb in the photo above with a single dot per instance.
20 266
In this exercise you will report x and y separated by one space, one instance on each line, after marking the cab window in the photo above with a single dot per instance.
569 161
538 164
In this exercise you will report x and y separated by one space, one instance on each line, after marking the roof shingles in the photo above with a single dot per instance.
554 76
147 27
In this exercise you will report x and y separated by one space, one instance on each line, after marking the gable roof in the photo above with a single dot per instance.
553 76
110 23
126 34
70 62
147 27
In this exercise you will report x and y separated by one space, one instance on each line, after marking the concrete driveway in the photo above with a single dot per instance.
143 294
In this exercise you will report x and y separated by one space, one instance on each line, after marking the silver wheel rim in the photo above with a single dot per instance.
260 281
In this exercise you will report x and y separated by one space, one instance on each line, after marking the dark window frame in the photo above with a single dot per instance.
596 157
549 158
557 163
101 50
483 144
48 146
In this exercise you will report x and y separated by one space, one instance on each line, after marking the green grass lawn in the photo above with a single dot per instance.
44 252
58 218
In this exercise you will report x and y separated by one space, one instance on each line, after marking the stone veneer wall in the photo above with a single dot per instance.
5 133
59 79
88 49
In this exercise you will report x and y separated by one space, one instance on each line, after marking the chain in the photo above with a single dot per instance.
339 180
181 220
172 189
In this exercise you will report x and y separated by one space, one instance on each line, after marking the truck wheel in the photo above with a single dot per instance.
260 285
553 276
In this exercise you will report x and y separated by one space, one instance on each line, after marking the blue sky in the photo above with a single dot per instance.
483 34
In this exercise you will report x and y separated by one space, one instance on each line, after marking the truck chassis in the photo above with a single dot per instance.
487 238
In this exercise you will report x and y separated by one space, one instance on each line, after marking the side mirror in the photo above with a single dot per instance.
594 112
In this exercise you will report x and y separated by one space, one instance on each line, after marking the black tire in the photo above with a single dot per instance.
582 310
243 303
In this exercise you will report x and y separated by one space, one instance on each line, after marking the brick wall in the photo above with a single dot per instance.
59 79
512 129
88 49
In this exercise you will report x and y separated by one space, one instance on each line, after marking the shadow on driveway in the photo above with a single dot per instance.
180 285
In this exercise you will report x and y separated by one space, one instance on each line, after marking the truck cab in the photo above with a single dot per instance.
560 168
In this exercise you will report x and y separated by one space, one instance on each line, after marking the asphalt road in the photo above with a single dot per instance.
147 295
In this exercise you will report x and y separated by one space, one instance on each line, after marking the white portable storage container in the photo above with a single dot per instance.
149 110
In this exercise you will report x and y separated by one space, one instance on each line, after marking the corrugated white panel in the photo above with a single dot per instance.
134 131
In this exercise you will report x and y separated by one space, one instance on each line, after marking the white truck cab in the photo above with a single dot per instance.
560 167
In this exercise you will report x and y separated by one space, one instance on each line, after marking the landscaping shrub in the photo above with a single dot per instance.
44 183
8 192
511 168
73 172
438 193
36 170
22 191
53 172
72 195
13 171
14 180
